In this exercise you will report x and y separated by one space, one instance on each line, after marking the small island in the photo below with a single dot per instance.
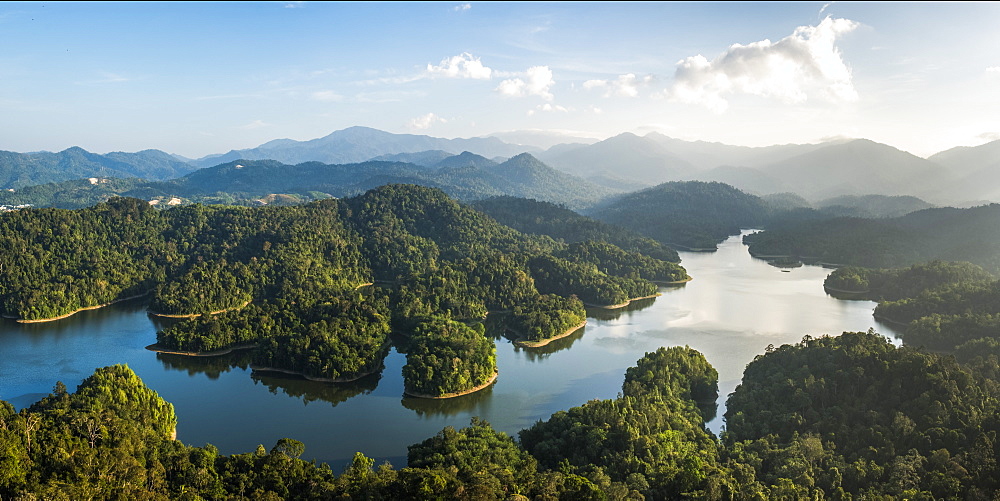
547 318
447 358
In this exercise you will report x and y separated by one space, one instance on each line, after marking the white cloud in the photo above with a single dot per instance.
256 124
993 69
328 96
625 86
791 70
547 108
989 136
294 5
424 122
460 8
539 80
464 65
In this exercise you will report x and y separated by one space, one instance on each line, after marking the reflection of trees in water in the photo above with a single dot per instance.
311 391
431 407
637 305
543 352
709 409
213 367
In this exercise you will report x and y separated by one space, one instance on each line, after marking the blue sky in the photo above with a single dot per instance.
201 78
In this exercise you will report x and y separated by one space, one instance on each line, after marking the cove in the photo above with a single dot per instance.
733 309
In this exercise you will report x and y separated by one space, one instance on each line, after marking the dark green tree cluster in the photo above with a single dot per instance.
675 371
555 275
898 283
847 417
344 338
853 417
545 218
943 305
446 356
284 278
691 214
651 440
950 234
546 316
55 261
613 260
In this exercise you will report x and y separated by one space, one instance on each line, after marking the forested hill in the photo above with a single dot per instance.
18 170
690 214
943 233
286 278
545 218
244 181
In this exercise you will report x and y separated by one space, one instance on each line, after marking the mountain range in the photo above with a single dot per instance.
358 144
466 176
963 176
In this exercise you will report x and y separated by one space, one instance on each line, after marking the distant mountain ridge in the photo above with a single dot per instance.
466 176
842 167
964 176
18 170
358 144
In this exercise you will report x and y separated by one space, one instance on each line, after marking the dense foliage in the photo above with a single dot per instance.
856 416
554 275
285 279
546 316
560 223
898 283
946 233
943 306
846 417
690 214
445 356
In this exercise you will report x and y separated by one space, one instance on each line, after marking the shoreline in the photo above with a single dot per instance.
74 312
346 379
620 305
215 353
842 291
524 342
884 319
457 393
673 282
196 315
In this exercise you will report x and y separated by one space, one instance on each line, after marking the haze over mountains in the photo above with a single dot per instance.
962 176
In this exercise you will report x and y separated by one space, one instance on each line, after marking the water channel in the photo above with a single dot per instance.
733 309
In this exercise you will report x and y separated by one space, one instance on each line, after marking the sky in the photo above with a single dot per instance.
201 78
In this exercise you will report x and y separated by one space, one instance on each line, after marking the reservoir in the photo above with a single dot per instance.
733 309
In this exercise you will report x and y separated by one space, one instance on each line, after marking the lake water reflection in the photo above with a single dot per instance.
733 309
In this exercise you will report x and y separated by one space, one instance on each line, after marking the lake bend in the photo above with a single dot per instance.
733 309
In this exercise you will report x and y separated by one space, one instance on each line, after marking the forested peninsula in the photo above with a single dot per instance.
286 279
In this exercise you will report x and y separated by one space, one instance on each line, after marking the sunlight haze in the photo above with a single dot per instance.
203 78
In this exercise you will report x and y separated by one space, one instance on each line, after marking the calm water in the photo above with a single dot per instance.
735 307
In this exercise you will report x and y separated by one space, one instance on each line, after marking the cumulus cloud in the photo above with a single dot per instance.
993 69
464 6
805 63
424 122
537 83
625 86
464 65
